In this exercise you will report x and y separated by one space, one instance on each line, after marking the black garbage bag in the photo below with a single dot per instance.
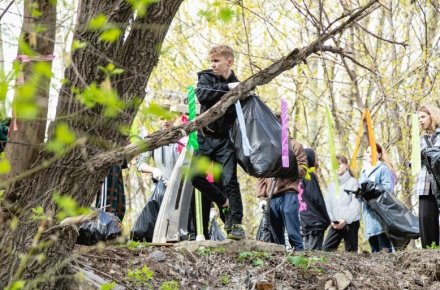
143 228
265 231
264 134
431 159
215 234
399 224
107 226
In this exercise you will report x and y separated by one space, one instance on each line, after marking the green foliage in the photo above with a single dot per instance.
140 277
98 22
108 286
169 285
110 70
63 137
140 6
14 223
303 262
216 12
17 285
225 279
133 245
256 257
433 246
110 35
208 251
104 96
204 251
68 207
38 214
76 44
5 166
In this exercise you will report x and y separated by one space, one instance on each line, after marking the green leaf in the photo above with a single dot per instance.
110 35
76 44
36 13
5 166
225 14
98 22
68 207
18 285
108 286
297 261
257 262
63 134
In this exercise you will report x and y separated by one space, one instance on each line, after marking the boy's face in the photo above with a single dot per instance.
221 65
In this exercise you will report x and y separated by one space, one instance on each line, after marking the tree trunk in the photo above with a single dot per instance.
38 34
137 52
80 172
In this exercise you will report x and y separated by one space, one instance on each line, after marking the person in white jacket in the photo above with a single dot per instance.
344 210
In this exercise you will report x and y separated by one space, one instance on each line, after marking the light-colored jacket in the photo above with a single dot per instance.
164 157
422 184
379 174
345 206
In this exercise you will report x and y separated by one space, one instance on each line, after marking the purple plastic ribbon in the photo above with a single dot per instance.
284 134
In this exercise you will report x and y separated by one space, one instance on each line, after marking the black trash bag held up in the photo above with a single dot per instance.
264 134
143 228
106 227
431 159
215 234
399 224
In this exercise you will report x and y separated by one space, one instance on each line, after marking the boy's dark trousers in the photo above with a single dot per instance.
220 150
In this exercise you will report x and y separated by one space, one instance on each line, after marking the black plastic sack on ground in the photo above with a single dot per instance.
399 224
264 134
215 234
106 227
143 228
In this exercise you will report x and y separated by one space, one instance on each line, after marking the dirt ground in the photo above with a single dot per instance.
168 268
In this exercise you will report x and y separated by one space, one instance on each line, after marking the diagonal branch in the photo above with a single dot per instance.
171 135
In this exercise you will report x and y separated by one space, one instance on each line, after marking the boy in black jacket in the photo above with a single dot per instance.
214 142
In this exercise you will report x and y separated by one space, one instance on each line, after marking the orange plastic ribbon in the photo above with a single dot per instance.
365 115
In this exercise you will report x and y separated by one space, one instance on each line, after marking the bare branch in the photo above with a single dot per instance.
6 9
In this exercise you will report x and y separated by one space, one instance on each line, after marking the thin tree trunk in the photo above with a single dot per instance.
37 33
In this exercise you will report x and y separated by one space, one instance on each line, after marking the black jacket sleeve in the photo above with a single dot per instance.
208 92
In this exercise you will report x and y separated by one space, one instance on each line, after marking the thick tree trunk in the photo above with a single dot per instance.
137 51
38 34
81 171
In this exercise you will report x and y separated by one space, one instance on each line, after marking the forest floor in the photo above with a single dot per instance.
216 266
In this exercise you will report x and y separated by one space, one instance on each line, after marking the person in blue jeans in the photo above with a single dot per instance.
381 174
284 205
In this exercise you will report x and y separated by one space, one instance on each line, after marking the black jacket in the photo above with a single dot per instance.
210 89
315 217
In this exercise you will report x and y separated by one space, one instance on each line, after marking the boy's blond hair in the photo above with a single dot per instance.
223 50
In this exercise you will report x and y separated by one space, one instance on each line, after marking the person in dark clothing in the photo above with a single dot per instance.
214 142
112 192
314 218
429 120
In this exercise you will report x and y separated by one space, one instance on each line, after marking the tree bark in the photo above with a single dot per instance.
80 172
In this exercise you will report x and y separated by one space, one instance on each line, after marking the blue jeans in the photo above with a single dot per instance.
284 216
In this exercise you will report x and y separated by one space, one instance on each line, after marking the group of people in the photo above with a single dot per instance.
297 206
